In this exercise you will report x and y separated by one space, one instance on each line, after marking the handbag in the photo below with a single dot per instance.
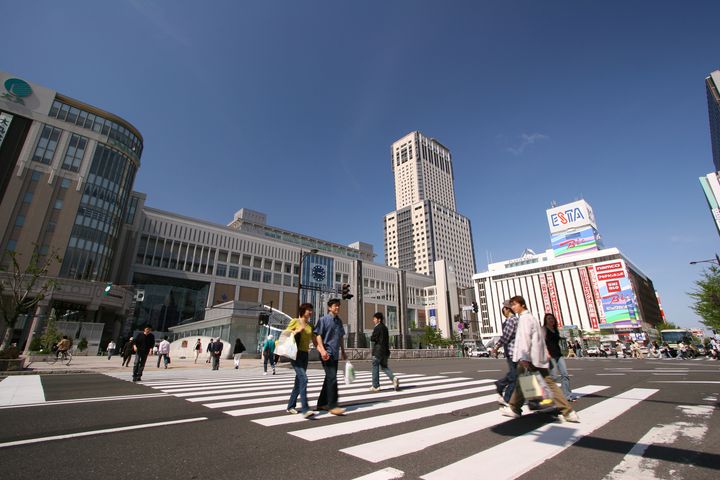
286 345
531 386
349 373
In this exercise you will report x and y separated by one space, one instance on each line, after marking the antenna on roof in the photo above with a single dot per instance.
553 204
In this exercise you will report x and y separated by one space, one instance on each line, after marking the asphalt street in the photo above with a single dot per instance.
639 419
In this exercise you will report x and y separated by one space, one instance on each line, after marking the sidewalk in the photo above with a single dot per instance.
95 364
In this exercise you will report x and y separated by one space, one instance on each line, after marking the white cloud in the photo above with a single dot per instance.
525 140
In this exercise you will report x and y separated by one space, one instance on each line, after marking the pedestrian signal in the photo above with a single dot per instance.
345 290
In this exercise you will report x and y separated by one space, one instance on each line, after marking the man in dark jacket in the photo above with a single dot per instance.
216 349
381 353
143 343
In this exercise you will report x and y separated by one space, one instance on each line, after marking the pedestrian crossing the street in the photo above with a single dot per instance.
393 425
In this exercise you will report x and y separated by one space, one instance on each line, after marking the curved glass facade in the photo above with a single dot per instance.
100 216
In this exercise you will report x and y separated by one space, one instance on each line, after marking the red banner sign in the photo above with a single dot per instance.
589 300
554 299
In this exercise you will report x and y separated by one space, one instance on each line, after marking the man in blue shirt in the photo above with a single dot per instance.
328 338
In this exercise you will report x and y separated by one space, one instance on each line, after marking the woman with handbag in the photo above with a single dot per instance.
557 361
302 330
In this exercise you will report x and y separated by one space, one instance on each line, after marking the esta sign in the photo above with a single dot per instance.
572 215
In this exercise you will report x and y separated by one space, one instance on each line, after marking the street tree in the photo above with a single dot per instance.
707 298
23 286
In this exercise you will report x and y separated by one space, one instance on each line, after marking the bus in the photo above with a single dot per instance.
674 336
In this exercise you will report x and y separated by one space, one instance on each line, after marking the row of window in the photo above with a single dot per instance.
97 124
47 145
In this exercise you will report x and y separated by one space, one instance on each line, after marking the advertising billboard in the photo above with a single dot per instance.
616 294
575 241
571 215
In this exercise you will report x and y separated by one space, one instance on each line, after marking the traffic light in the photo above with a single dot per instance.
345 290
475 307
263 318
108 287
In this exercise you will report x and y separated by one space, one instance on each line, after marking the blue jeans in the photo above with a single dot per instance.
559 369
300 387
268 358
506 385
139 365
378 362
329 394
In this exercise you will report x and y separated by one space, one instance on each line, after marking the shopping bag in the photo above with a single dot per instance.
531 385
286 345
349 373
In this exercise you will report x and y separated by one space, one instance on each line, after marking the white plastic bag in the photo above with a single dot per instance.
349 373
531 385
286 345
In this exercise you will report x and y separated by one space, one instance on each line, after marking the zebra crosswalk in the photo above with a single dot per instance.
263 400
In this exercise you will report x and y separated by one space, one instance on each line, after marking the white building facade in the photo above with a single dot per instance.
425 227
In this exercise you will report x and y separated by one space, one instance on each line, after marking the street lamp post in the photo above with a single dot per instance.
715 260
302 256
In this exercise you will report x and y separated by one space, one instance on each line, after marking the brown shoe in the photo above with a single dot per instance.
337 411
319 408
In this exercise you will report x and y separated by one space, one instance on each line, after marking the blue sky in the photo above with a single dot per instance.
290 107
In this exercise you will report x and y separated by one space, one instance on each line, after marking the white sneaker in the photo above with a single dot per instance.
508 412
571 417
308 414
374 390
501 400
396 383
292 411
264 373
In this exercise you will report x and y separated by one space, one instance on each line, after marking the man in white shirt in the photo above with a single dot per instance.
531 355
164 352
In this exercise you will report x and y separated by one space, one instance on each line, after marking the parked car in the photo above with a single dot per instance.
592 351
477 352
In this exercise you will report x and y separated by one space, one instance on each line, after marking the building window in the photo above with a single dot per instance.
58 204
233 271
74 153
27 198
20 221
221 270
47 144
245 274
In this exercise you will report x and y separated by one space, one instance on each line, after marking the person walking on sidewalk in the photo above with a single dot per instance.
127 352
143 343
381 353
111 349
216 349
329 333
303 335
268 354
506 385
237 352
557 361
164 352
198 349
530 353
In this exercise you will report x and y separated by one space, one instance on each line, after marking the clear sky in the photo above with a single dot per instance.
290 107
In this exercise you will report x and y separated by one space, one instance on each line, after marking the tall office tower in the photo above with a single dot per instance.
712 85
425 227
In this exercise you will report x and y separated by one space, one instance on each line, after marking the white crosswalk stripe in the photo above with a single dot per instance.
422 399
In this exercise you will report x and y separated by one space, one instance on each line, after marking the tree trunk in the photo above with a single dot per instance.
7 337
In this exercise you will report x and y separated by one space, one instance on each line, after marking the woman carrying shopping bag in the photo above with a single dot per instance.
301 329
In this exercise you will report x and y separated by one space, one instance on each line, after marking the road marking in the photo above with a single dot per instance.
481 371
21 389
633 465
608 374
312 387
89 400
99 432
388 473
707 382
669 373
367 407
418 440
439 385
448 373
517 456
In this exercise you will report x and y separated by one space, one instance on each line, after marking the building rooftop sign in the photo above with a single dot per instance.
571 215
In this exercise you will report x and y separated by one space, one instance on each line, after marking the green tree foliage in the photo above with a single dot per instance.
707 298
666 326
51 335
23 286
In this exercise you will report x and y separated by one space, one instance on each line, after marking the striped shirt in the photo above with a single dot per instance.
507 339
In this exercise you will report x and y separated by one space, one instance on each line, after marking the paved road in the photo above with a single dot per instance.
639 419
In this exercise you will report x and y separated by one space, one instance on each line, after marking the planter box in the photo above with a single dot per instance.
13 365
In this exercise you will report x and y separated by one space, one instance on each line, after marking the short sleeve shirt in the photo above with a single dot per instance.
331 330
